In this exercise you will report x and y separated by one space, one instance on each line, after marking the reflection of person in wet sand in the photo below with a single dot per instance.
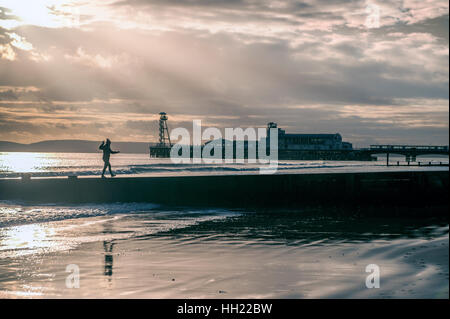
108 247
106 148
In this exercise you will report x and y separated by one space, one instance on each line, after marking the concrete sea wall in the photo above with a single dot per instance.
382 189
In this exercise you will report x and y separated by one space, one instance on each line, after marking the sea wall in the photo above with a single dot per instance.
420 188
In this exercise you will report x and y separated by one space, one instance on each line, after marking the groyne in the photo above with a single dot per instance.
412 188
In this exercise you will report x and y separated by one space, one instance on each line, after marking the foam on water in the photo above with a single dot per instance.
13 214
27 229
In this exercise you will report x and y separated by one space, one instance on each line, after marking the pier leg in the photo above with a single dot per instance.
387 159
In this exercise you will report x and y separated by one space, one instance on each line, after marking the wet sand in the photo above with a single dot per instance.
218 265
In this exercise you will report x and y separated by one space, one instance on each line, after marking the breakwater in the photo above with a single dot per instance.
414 188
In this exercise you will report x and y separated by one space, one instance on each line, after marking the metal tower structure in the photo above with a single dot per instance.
269 126
164 139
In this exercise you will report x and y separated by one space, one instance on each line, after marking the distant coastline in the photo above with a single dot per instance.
71 146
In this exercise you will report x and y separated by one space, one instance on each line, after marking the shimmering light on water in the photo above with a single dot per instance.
90 164
140 250
25 238
26 162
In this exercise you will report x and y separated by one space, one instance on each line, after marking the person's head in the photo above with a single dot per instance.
108 141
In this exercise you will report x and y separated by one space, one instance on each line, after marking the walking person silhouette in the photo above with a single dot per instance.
106 148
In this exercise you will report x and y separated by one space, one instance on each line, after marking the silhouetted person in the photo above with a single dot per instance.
106 148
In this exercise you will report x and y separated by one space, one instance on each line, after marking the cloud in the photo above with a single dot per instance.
310 66
5 14
8 95
285 16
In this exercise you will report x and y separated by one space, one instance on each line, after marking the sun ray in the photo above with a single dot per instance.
44 13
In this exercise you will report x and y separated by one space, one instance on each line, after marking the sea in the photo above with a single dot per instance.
14 164
146 250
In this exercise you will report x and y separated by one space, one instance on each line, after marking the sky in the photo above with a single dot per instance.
374 71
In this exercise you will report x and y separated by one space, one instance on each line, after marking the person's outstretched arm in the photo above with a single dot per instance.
101 146
114 152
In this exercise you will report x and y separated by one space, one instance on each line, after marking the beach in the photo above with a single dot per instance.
160 230
252 150
161 253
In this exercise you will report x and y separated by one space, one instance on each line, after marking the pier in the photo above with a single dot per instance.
296 146
409 151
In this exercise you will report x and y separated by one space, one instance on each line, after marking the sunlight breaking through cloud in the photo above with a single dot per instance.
312 66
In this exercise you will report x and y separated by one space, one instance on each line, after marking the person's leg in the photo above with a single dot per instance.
110 171
104 169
